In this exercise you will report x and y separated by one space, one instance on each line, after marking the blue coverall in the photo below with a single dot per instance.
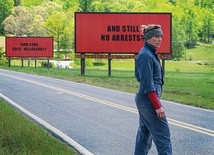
149 74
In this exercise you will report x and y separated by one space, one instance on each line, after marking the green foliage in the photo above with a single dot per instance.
17 2
85 5
45 64
2 56
37 28
6 7
70 4
56 25
207 29
26 21
19 23
192 20
29 3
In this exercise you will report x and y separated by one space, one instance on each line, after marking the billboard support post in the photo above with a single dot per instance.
35 63
163 66
9 61
48 63
109 64
28 62
135 63
82 63
22 61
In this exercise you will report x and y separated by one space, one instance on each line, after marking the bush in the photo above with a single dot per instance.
45 64
99 63
3 61
199 63
190 44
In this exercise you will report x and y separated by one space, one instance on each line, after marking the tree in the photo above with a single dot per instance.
29 3
101 6
19 23
208 4
6 7
68 4
17 2
178 39
67 39
46 9
85 5
172 1
36 27
207 27
56 25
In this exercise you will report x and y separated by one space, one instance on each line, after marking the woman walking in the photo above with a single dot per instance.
153 124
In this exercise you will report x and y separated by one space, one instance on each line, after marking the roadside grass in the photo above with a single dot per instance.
20 136
201 52
194 88
189 67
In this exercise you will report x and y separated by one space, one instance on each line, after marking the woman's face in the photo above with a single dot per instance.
155 41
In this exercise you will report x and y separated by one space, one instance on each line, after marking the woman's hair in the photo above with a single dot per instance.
151 30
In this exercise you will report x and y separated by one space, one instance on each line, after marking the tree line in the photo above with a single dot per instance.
192 20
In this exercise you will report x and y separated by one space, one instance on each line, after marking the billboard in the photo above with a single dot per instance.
118 32
29 47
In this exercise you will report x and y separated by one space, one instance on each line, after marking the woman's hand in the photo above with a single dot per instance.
160 112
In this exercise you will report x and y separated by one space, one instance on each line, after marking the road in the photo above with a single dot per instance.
104 121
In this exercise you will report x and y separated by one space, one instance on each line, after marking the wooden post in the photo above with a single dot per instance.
163 66
109 64
48 63
35 63
82 63
22 60
135 63
9 61
28 62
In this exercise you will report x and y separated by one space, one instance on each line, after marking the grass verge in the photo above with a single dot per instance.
190 88
20 136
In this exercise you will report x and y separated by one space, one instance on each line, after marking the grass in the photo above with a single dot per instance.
189 67
20 136
190 88
201 52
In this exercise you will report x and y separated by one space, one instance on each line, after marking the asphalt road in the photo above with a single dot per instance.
104 121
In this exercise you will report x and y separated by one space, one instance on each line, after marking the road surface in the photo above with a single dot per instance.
104 121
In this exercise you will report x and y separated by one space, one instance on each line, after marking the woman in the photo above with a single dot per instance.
152 120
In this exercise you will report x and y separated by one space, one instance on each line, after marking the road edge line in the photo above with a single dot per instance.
49 127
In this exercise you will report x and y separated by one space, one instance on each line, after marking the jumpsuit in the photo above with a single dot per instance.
149 74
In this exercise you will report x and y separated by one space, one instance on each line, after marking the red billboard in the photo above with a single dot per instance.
29 47
118 32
